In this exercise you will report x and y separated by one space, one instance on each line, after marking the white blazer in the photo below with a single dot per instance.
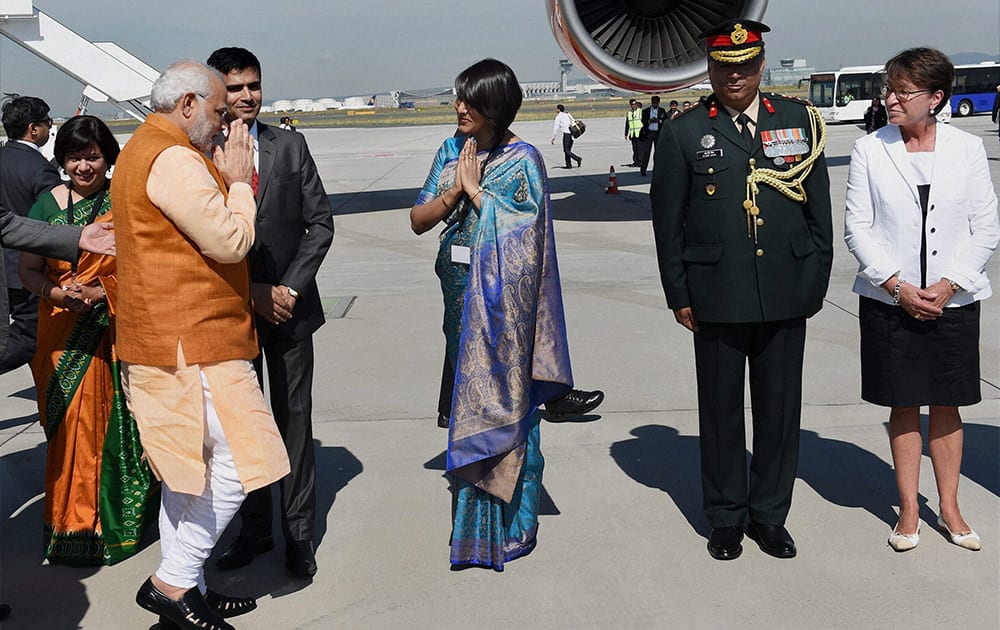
882 226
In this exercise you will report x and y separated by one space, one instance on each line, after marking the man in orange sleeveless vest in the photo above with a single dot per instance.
184 223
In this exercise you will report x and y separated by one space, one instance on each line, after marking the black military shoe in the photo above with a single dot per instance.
724 542
576 403
773 540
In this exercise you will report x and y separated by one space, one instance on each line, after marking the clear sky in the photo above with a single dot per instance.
320 48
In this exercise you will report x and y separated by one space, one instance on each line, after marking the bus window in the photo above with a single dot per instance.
857 86
821 90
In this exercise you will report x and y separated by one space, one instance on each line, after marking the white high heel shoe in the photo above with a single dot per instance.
903 542
966 540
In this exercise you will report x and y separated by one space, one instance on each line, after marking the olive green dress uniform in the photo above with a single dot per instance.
751 278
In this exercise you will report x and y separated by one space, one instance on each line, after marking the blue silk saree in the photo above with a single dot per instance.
506 339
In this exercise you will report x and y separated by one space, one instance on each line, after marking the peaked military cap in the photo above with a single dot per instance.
734 41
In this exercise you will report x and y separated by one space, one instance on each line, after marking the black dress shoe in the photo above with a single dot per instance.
724 542
190 611
241 552
300 559
443 421
773 540
223 605
575 403
579 162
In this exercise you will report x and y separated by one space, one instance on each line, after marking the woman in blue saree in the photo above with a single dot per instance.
503 316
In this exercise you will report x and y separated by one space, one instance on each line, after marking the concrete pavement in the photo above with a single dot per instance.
622 536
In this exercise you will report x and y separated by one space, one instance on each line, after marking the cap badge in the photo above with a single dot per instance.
739 35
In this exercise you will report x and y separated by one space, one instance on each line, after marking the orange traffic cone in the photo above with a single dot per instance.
612 188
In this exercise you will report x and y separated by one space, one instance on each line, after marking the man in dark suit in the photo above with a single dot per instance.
294 232
24 175
653 118
743 267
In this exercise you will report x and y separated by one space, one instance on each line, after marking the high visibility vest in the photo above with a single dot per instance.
634 119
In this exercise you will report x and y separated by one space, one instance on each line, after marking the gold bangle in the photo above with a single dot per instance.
447 206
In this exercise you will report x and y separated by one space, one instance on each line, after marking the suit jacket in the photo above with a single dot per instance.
882 225
24 175
661 116
706 251
38 237
294 227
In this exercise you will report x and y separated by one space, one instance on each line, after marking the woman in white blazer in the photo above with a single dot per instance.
922 221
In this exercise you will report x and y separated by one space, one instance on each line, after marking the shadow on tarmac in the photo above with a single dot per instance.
842 473
335 468
586 203
660 457
847 475
23 570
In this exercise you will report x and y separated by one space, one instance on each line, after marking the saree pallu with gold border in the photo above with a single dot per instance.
97 487
506 336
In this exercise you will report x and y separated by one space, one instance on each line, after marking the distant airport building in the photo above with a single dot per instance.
791 72
540 88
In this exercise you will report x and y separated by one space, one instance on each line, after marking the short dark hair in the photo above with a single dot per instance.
233 59
79 132
673 103
491 87
926 68
561 107
655 99
21 111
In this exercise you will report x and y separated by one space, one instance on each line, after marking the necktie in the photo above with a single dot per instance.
253 184
744 122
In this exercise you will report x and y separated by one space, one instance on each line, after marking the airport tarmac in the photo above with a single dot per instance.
622 535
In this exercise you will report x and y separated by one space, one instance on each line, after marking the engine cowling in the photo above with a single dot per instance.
642 45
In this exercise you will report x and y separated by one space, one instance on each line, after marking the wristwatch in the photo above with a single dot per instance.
292 292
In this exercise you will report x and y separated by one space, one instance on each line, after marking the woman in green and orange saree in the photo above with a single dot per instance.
96 484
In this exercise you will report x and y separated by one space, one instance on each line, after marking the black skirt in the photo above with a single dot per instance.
906 362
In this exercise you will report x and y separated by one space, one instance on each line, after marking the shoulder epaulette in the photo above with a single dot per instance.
786 97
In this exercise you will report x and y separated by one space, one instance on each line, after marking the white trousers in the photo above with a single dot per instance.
190 525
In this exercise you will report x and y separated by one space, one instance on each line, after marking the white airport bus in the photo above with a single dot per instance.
844 95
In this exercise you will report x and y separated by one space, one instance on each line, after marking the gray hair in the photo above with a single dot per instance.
179 79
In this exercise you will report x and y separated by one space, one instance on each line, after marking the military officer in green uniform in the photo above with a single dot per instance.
744 240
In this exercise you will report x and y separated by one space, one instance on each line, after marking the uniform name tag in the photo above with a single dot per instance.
461 254
784 142
711 153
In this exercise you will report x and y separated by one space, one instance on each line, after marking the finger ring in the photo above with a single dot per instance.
916 316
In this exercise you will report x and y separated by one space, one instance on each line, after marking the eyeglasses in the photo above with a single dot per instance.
45 121
903 96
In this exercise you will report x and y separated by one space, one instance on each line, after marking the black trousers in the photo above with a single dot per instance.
23 334
568 149
646 150
290 377
774 353
636 151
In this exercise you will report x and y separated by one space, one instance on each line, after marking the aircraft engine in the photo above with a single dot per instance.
642 45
